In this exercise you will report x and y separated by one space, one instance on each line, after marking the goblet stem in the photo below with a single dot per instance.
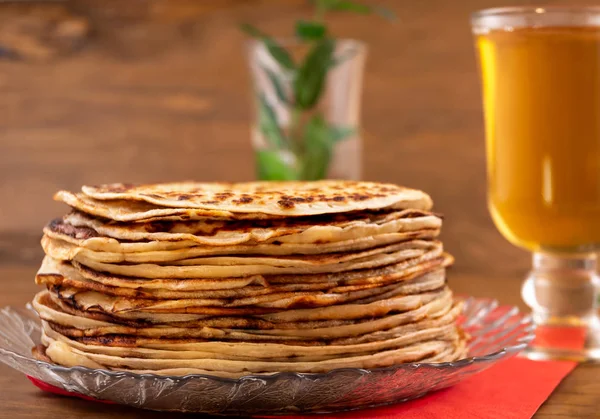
562 291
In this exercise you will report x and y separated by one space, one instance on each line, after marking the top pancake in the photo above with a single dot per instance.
262 198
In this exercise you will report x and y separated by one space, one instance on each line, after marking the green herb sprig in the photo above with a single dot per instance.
310 139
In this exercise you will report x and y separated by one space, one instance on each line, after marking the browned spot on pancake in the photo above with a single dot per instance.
158 226
124 341
115 340
184 197
300 199
358 197
59 226
338 198
223 196
244 199
286 203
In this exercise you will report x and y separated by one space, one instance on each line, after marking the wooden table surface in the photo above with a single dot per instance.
161 92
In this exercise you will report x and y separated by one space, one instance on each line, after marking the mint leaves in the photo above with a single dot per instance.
303 149
307 30
271 165
277 51
310 79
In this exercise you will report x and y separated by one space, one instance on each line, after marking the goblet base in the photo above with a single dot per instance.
570 343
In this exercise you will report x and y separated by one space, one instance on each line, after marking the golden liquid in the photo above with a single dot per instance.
541 90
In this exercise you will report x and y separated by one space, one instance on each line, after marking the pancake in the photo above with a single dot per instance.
138 211
55 273
273 198
64 354
237 279
335 312
64 275
403 335
147 251
221 269
227 233
404 270
89 300
66 251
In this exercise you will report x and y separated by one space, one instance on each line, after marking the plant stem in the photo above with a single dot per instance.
294 130
320 12
296 140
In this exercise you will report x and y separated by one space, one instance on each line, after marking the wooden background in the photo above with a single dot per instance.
163 93
160 91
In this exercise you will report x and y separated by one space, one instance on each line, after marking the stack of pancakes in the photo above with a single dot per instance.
250 278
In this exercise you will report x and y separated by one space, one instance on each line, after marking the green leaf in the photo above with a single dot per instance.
268 124
277 85
310 31
318 147
340 132
271 166
311 77
277 51
280 54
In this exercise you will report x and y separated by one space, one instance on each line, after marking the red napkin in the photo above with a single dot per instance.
52 389
512 389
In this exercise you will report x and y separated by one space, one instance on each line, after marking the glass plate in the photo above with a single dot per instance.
498 332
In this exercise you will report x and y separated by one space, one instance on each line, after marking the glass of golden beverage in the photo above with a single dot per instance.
540 72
